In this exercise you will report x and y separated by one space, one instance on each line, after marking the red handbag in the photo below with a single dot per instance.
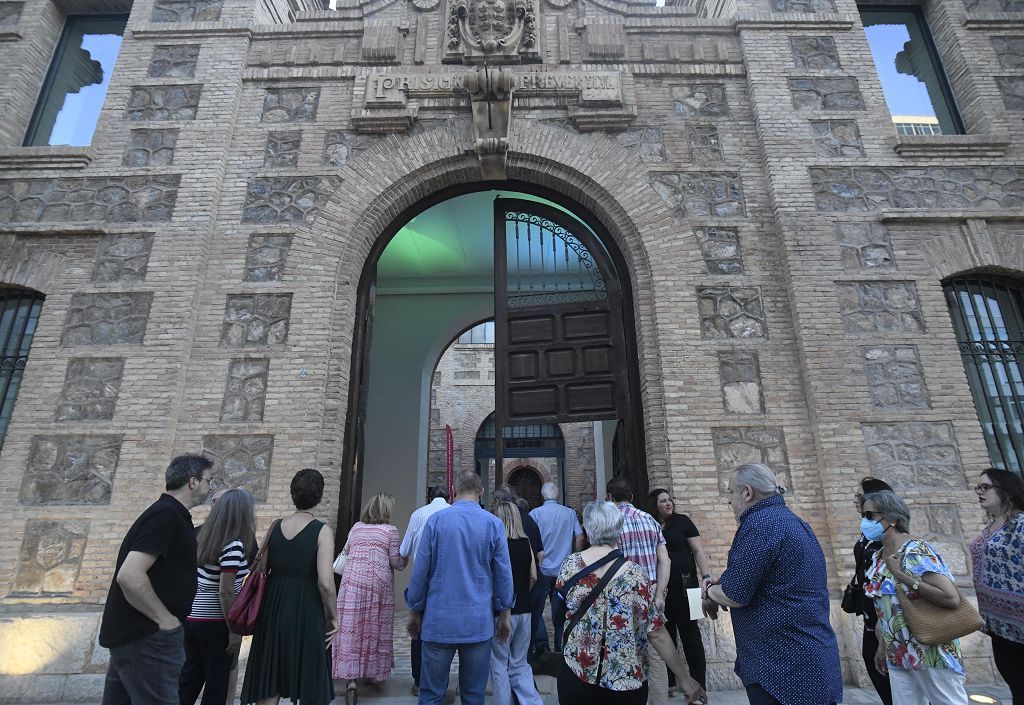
245 610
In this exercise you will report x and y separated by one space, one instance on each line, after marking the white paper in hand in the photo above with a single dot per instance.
693 598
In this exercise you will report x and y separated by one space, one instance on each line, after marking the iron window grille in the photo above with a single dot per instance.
19 315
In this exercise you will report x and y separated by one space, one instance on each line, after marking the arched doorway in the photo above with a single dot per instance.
524 445
442 250
526 482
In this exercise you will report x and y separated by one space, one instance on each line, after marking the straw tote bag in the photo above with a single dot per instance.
932 625
245 610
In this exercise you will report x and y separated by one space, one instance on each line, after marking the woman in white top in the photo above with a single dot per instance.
226 546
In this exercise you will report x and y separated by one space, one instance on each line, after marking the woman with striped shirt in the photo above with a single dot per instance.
226 545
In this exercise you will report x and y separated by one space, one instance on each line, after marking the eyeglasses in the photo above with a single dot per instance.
870 516
983 487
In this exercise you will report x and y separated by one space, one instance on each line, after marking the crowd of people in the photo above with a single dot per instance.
619 585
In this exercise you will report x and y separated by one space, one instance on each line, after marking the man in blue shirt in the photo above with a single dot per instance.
461 584
561 532
775 585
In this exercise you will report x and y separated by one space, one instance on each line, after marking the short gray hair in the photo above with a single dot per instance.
603 522
549 490
759 477
890 506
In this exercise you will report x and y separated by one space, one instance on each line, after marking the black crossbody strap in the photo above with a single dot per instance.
592 596
571 582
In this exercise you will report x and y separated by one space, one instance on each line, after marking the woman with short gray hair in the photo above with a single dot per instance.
612 618
909 568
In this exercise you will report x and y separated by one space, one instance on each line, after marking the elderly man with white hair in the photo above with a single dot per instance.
775 585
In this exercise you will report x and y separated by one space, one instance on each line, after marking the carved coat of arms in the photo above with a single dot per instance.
492 30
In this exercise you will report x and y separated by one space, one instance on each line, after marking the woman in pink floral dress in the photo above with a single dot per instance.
366 600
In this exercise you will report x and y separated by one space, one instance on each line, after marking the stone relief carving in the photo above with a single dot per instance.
701 100
720 248
107 318
741 382
895 380
1010 51
492 30
242 461
246 391
705 144
164 102
91 386
826 94
836 138
1012 88
911 454
186 10
731 312
265 258
50 557
174 61
648 143
880 307
287 199
110 199
290 105
123 258
701 193
864 246
256 320
814 53
10 13
282 149
736 446
150 147
807 6
73 469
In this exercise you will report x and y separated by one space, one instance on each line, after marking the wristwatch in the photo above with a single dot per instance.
706 576
916 584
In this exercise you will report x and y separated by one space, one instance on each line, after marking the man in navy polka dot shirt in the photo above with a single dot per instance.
775 585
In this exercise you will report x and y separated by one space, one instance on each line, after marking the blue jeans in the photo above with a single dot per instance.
474 667
510 673
146 671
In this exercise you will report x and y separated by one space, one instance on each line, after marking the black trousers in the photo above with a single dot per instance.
879 680
206 662
677 620
1009 657
573 691
416 654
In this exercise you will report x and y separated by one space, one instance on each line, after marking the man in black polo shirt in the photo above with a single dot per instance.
152 591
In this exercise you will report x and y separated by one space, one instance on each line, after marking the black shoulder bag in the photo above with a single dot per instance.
592 596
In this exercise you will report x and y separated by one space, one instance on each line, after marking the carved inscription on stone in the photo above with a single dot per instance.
591 86
836 138
731 312
107 319
186 10
253 320
826 94
246 391
720 248
290 105
910 454
894 375
852 189
701 194
880 307
91 386
151 147
174 61
807 6
10 13
815 53
266 256
50 557
741 382
705 143
1012 88
73 469
282 149
736 446
286 199
122 258
164 102
241 461
111 199
700 100
1010 51
864 246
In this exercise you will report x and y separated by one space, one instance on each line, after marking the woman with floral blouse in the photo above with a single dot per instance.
606 649
906 567
998 557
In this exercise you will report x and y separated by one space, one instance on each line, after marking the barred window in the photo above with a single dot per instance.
988 317
19 314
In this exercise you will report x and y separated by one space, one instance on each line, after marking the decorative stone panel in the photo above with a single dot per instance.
836 139
256 320
701 193
246 391
731 312
282 105
10 13
880 307
910 454
74 469
286 199
702 100
109 199
720 248
241 461
803 6
741 382
382 42
186 10
107 319
853 189
164 102
826 94
604 41
174 61
151 147
736 446
943 530
895 379
282 149
266 257
815 53
1012 88
1010 51
50 557
645 142
705 143
122 258
341 145
864 246
91 386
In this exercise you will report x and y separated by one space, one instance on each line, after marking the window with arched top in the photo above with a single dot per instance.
19 314
988 318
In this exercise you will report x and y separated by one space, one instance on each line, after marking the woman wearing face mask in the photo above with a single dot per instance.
855 601
918 674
